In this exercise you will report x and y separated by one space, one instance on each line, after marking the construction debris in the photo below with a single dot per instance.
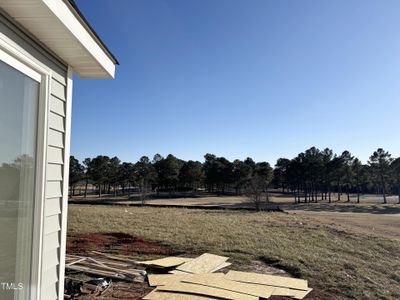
179 278
168 262
205 263
107 267
195 280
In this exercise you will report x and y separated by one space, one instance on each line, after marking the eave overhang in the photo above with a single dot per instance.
61 28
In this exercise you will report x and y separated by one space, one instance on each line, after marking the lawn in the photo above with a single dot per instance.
337 263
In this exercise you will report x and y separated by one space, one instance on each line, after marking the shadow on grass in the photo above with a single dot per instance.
390 209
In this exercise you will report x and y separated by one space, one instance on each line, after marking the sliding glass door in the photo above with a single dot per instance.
19 99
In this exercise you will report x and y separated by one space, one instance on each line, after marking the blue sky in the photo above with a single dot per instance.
264 79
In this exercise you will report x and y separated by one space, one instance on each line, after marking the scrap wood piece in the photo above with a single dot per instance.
234 286
203 264
299 294
295 294
163 295
221 266
120 258
177 272
271 280
167 262
96 265
195 289
70 263
166 279
115 275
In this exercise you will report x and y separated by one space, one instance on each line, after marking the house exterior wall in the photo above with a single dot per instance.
57 131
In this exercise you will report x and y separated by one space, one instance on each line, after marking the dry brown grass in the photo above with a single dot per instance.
339 263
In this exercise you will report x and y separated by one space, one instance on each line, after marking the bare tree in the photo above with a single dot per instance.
255 191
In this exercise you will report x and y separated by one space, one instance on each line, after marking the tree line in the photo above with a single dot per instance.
311 176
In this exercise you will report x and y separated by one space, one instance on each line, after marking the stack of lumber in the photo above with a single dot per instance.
103 265
195 279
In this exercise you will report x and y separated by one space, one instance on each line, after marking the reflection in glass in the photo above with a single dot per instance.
19 95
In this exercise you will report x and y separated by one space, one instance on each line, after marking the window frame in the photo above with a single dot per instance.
12 56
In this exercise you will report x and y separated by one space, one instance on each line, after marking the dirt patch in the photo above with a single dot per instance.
114 242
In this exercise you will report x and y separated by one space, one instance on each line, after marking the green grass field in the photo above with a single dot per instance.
338 263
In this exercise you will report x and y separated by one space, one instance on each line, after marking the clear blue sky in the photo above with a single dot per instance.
264 79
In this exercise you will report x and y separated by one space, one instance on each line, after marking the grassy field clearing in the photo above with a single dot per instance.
338 263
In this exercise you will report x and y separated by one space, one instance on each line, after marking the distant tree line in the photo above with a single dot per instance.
311 176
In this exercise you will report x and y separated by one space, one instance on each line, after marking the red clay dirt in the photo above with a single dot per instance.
125 244
113 242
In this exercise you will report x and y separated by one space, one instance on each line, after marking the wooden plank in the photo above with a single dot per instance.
167 262
203 264
55 155
234 286
284 292
165 279
298 294
196 289
110 274
177 272
56 122
224 265
271 280
162 295
119 258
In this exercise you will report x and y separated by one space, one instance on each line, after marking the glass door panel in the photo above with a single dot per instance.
19 97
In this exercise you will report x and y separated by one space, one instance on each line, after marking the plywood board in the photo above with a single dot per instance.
221 266
162 295
165 279
285 292
205 263
272 280
178 272
205 291
234 286
167 262
298 294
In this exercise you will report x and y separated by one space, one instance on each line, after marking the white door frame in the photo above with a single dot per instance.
18 60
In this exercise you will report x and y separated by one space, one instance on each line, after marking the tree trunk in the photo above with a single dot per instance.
86 186
100 190
383 190
398 192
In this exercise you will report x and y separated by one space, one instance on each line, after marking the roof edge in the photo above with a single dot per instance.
79 15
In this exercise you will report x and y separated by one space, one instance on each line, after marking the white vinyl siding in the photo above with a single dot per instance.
55 138
55 156
57 106
54 189
56 122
